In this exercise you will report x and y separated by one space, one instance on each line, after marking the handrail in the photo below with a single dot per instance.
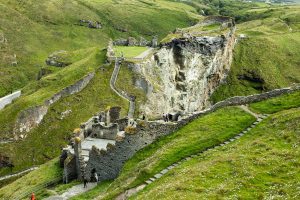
122 94
17 173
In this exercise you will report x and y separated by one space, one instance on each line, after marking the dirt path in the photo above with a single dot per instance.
144 54
246 109
73 191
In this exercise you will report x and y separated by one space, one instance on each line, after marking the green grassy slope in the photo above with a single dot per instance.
46 173
196 136
276 104
52 28
262 164
128 52
35 29
207 131
269 58
40 28
37 92
45 141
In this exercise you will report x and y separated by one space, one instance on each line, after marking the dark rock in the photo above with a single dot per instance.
121 42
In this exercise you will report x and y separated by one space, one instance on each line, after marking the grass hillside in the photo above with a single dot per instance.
269 57
264 164
45 174
45 141
40 28
197 136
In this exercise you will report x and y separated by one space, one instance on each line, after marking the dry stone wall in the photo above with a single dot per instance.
33 116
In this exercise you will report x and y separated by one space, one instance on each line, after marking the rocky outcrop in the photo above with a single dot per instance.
185 72
90 24
57 59
32 117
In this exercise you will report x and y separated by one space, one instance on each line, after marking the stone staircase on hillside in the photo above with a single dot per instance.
122 94
128 193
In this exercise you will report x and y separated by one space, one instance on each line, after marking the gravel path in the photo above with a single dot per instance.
144 54
246 109
73 191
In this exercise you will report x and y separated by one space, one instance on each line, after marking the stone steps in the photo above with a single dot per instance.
236 137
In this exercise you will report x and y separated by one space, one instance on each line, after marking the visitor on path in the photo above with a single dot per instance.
85 183
143 117
32 196
167 117
96 177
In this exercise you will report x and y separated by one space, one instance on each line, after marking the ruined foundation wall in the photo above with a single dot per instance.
108 164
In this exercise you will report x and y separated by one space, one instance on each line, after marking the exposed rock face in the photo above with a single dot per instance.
185 72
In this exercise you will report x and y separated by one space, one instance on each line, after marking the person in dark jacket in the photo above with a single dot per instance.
85 183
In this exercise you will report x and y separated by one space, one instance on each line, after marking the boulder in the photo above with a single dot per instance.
57 59
121 42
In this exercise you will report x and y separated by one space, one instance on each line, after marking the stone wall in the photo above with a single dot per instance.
70 171
109 163
9 98
31 117
105 132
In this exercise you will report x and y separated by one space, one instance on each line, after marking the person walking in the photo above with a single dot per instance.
85 183
32 196
96 177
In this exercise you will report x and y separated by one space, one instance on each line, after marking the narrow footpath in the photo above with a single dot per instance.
73 191
122 94
144 54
